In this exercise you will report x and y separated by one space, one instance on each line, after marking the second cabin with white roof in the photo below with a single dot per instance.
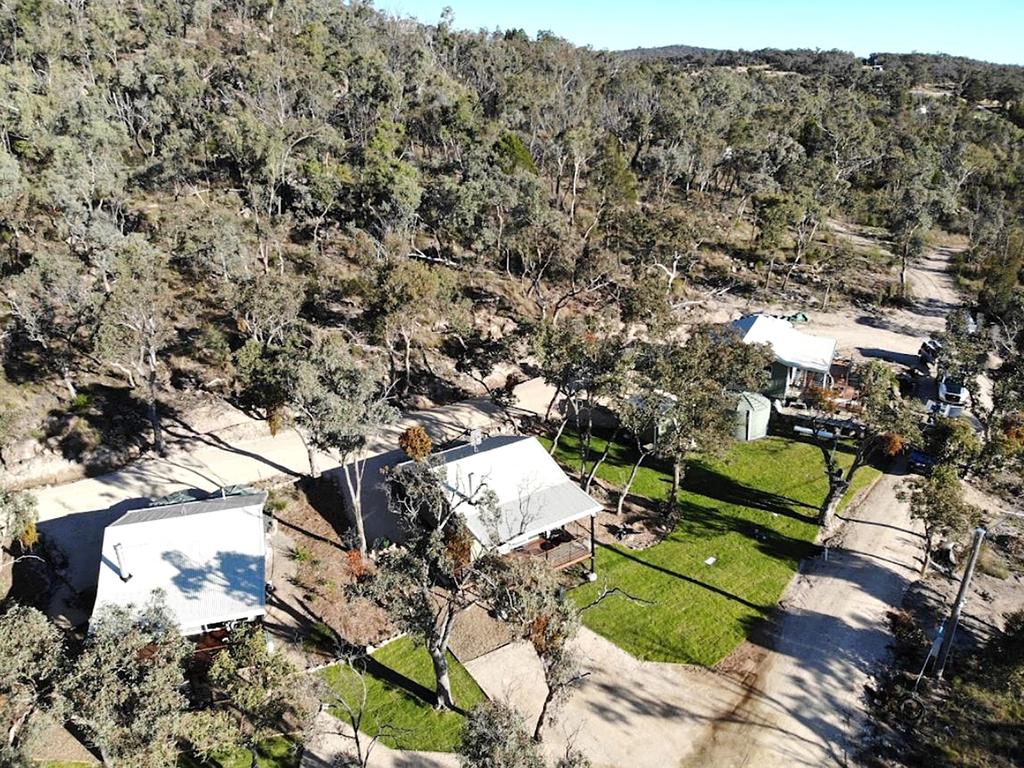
540 511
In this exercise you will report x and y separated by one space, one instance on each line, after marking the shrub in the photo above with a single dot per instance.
416 443
81 402
992 563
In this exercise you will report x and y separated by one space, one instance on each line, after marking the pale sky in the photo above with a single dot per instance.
991 30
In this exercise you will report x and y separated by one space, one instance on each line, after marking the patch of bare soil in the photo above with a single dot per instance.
309 609
744 663
56 743
476 633
996 589
642 523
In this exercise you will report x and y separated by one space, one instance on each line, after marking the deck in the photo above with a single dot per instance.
558 551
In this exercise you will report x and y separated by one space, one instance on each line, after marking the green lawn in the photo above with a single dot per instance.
278 752
410 722
754 511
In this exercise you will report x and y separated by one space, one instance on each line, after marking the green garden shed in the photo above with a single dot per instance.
752 413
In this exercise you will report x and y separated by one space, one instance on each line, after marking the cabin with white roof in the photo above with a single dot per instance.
209 558
802 360
541 512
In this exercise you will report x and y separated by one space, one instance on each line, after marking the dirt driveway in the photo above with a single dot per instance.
626 712
896 334
804 706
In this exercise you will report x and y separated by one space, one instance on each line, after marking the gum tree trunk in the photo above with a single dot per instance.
600 460
629 483
353 471
836 489
439 659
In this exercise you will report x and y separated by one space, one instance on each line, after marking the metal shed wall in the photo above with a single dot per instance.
752 414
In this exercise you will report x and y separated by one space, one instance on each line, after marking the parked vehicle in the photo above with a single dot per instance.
919 462
910 380
929 351
952 391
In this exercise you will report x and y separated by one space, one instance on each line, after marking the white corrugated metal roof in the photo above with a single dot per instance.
534 495
790 346
208 557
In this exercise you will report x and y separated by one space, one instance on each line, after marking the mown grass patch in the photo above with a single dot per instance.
277 752
399 681
754 512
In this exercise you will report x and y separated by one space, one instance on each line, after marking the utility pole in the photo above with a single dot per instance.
954 615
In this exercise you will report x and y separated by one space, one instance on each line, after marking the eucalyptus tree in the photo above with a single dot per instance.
268 693
52 305
773 214
528 597
937 502
266 307
31 661
410 305
425 582
340 402
700 381
19 514
495 736
887 425
136 323
585 362
910 220
124 690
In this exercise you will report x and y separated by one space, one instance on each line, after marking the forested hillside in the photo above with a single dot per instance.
194 194
972 80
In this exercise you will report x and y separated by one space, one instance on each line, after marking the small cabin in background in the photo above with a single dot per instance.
802 360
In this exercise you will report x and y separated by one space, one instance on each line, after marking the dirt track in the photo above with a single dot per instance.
804 706
890 333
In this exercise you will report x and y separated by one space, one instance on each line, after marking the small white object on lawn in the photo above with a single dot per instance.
711 560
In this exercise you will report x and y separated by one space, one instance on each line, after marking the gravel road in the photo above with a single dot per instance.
805 704
804 707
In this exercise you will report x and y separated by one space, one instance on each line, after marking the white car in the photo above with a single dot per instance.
952 391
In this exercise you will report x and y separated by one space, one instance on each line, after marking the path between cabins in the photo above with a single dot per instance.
210 460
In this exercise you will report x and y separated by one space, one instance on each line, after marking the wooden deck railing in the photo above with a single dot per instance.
563 555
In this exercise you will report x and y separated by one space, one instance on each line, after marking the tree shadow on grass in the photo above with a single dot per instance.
843 446
706 522
702 479
627 554
406 686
